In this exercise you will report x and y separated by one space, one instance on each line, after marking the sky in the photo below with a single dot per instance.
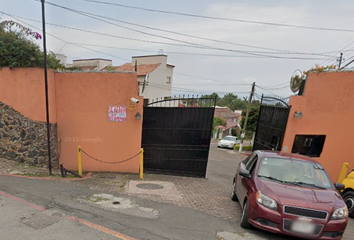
218 46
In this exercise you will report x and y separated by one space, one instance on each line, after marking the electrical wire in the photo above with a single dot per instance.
278 51
168 38
351 41
77 45
221 18
266 90
190 46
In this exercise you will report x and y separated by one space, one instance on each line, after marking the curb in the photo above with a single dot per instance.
48 178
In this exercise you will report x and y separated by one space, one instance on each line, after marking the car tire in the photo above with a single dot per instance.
349 200
244 218
233 194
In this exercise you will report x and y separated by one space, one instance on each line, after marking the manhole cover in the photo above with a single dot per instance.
149 186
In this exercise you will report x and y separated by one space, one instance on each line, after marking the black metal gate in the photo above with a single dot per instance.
176 135
272 120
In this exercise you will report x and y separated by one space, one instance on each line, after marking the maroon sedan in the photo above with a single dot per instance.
289 194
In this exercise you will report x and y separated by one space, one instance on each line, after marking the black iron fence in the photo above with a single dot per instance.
272 121
176 135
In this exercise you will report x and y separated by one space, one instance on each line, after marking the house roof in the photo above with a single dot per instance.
226 113
89 59
143 69
157 55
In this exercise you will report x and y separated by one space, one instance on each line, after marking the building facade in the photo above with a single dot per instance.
320 121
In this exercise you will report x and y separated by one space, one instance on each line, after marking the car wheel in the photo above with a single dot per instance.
244 218
233 194
349 201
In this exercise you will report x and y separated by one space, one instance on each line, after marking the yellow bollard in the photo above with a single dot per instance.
142 164
79 160
343 172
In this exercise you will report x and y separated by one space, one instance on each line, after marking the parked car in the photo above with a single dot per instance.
289 194
348 193
228 142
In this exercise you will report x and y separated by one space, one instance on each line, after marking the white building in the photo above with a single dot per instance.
158 73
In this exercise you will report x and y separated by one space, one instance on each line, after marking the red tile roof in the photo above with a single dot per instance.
226 113
143 69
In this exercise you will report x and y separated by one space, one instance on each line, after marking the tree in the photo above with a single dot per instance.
16 50
206 100
218 122
252 119
232 101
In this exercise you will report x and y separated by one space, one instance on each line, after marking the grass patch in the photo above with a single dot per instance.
244 148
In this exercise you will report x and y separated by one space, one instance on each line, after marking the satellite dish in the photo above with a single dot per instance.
295 81
145 80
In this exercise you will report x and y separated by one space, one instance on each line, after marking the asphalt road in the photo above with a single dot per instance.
221 168
136 218
52 209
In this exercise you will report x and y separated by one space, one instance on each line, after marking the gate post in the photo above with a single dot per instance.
142 164
79 160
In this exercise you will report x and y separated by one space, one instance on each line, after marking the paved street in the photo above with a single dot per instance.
178 208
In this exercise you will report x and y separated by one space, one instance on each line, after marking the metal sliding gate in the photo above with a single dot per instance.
176 136
272 120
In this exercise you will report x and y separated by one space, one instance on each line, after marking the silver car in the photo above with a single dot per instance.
228 142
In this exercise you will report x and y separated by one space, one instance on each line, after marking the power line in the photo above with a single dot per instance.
168 38
278 51
189 90
78 45
181 45
266 90
351 41
170 52
203 78
221 18
276 88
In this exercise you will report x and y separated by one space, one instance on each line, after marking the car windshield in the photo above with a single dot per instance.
295 172
229 138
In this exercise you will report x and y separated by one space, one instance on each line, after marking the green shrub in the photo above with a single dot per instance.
244 148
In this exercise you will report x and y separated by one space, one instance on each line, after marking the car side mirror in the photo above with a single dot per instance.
245 173
339 186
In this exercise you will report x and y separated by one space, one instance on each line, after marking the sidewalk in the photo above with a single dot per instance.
197 193
15 168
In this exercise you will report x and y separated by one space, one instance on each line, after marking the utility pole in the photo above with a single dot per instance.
46 87
340 60
247 113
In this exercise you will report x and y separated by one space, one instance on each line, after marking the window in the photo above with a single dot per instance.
251 164
309 145
168 80
249 158
234 120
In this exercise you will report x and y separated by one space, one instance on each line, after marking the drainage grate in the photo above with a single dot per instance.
149 186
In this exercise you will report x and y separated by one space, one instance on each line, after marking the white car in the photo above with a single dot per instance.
228 142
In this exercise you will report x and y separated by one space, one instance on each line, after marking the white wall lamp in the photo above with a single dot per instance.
137 116
298 115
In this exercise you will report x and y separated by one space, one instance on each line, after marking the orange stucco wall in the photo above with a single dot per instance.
82 112
23 89
328 108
